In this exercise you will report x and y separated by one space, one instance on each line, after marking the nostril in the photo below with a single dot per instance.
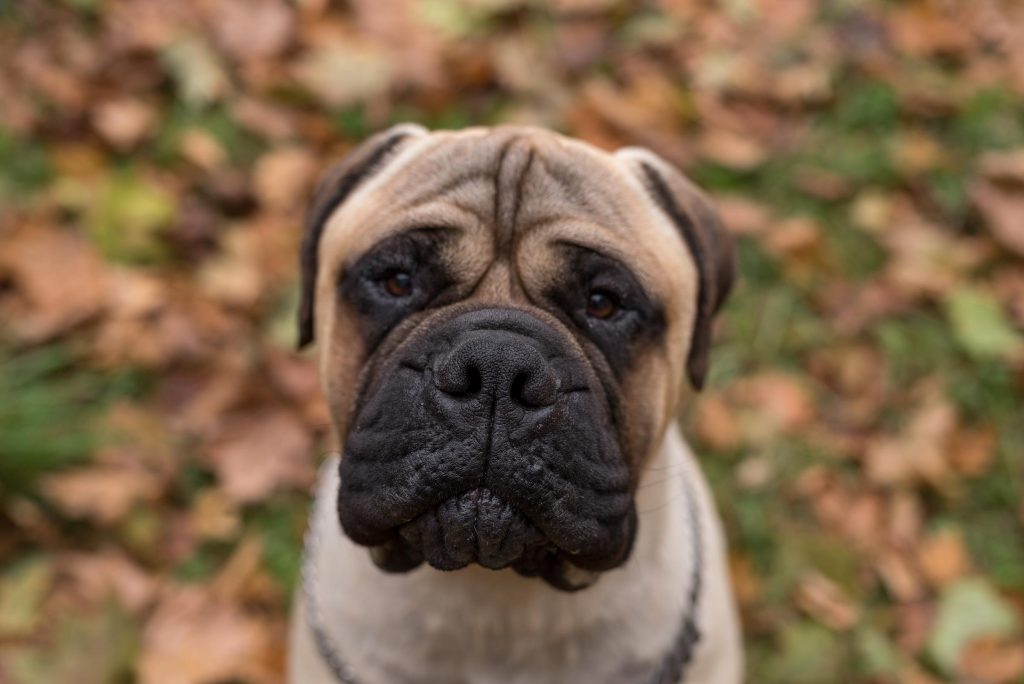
474 381
458 378
518 386
534 389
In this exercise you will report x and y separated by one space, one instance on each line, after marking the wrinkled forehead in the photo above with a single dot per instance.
511 180
511 184
513 191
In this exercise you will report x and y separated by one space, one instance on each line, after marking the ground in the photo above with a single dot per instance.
863 427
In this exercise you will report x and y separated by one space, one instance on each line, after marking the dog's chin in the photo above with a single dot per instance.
478 527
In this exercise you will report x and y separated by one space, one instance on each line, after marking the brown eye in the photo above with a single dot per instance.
601 305
399 284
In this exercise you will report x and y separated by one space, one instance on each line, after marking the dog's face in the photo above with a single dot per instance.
505 317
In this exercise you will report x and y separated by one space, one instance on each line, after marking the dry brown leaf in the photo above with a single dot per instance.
283 177
943 557
919 452
973 450
1003 209
1004 166
793 236
234 276
914 622
905 518
104 494
754 472
98 575
346 72
248 29
58 282
742 216
263 118
781 401
203 150
862 520
215 515
899 576
124 122
991 661
826 602
716 422
196 638
918 152
745 580
731 150
261 452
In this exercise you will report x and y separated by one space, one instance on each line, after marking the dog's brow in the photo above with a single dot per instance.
594 249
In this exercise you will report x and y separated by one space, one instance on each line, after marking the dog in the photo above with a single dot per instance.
507 321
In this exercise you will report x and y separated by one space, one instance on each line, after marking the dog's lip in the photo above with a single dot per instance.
475 526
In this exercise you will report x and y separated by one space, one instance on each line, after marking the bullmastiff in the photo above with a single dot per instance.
507 321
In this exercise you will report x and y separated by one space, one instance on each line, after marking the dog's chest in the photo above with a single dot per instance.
477 626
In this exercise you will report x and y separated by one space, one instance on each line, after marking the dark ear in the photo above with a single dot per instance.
711 246
337 185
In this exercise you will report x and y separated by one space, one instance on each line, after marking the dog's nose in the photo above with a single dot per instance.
497 364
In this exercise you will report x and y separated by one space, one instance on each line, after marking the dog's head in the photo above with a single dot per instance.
504 318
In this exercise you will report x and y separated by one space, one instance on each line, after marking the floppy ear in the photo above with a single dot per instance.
337 185
711 246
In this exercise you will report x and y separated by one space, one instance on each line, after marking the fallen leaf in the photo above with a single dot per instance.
249 29
23 586
968 609
58 282
899 576
97 576
973 450
731 150
215 515
195 638
826 602
1003 166
103 494
742 216
261 452
95 647
716 423
782 402
203 149
943 557
127 217
234 276
124 122
1003 209
283 177
919 451
197 71
980 325
345 73
992 661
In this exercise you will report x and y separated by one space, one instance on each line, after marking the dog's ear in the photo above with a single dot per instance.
337 185
711 246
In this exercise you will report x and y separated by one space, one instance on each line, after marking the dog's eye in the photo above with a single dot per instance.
399 284
601 304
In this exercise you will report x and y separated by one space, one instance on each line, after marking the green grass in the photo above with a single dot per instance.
48 412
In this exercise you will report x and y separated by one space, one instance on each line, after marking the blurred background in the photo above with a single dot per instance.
864 425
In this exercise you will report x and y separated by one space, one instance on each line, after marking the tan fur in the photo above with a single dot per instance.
571 191
514 193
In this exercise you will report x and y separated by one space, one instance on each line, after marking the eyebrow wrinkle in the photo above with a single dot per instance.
501 238
431 193
576 188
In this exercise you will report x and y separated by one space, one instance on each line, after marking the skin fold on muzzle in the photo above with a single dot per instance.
487 439
505 317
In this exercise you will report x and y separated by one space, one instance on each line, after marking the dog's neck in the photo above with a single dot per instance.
477 625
